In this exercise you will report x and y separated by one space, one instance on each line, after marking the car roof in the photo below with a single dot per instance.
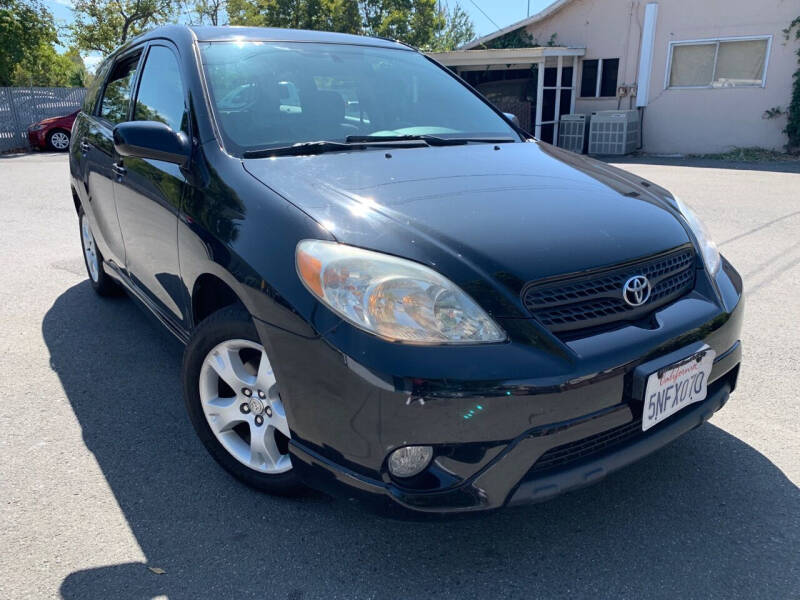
184 33
229 33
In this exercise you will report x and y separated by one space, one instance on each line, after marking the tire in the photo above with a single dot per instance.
102 283
58 140
228 389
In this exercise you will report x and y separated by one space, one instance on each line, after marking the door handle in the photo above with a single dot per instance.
84 146
119 169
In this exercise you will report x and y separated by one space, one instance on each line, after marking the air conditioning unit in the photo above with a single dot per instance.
614 132
572 133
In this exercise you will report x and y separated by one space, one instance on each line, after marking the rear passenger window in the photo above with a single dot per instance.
161 93
117 95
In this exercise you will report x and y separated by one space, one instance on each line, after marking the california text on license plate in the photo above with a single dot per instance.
676 386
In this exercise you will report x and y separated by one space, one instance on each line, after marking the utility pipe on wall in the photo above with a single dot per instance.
646 56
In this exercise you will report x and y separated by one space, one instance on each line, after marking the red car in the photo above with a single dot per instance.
52 133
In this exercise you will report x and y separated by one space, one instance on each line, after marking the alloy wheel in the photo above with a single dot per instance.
240 400
89 250
59 140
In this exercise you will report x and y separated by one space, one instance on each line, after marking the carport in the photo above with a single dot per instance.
536 84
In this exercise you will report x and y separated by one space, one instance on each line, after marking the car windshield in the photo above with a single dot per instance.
275 94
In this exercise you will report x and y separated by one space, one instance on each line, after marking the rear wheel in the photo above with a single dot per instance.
233 400
58 140
93 259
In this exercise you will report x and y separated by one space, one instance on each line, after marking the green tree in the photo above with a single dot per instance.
25 26
330 15
202 12
345 16
43 66
80 76
415 22
421 23
458 30
102 25
518 38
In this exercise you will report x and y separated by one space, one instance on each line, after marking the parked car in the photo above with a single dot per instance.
52 133
419 305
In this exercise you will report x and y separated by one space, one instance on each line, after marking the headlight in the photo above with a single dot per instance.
37 127
707 245
393 298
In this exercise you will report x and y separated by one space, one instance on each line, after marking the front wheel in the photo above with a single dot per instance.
58 140
234 402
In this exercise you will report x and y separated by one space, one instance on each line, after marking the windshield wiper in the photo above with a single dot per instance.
318 147
361 142
432 140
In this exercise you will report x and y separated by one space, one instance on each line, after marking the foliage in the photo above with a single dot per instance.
25 26
457 31
773 113
335 15
518 38
414 22
420 23
102 25
750 154
203 12
42 66
792 130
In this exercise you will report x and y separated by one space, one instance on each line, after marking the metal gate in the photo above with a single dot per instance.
22 106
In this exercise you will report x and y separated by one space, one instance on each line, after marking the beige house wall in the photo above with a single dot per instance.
685 120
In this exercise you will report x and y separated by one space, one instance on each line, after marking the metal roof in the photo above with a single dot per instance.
505 56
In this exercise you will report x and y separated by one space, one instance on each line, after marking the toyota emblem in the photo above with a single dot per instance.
636 290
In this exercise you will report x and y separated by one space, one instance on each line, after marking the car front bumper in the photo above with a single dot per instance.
37 139
499 439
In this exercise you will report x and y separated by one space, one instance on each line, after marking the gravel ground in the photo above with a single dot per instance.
102 477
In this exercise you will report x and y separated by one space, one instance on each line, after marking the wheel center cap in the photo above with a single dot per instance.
256 406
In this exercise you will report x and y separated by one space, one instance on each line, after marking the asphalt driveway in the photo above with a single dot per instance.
101 475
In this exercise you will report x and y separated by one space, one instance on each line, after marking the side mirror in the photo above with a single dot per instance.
152 139
512 117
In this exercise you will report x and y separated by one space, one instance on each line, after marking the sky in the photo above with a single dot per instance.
502 12
487 15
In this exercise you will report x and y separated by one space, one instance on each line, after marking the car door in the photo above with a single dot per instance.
97 148
150 192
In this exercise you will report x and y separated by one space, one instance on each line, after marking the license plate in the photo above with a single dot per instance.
674 387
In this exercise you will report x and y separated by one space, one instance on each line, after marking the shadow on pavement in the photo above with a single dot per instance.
707 516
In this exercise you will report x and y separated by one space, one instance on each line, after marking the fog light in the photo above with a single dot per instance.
409 460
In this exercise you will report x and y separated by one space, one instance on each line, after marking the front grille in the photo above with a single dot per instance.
572 451
595 299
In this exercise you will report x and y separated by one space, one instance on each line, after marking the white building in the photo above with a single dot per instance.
702 73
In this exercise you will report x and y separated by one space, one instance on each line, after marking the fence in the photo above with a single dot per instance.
21 106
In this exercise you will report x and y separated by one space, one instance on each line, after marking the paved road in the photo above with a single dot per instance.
101 475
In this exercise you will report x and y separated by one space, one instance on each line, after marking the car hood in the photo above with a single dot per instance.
51 120
481 214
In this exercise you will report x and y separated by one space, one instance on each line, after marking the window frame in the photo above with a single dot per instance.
140 71
599 82
716 41
141 50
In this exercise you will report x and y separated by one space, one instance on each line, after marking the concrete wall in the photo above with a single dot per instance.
686 120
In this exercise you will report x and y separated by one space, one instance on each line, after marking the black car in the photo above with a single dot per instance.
386 289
